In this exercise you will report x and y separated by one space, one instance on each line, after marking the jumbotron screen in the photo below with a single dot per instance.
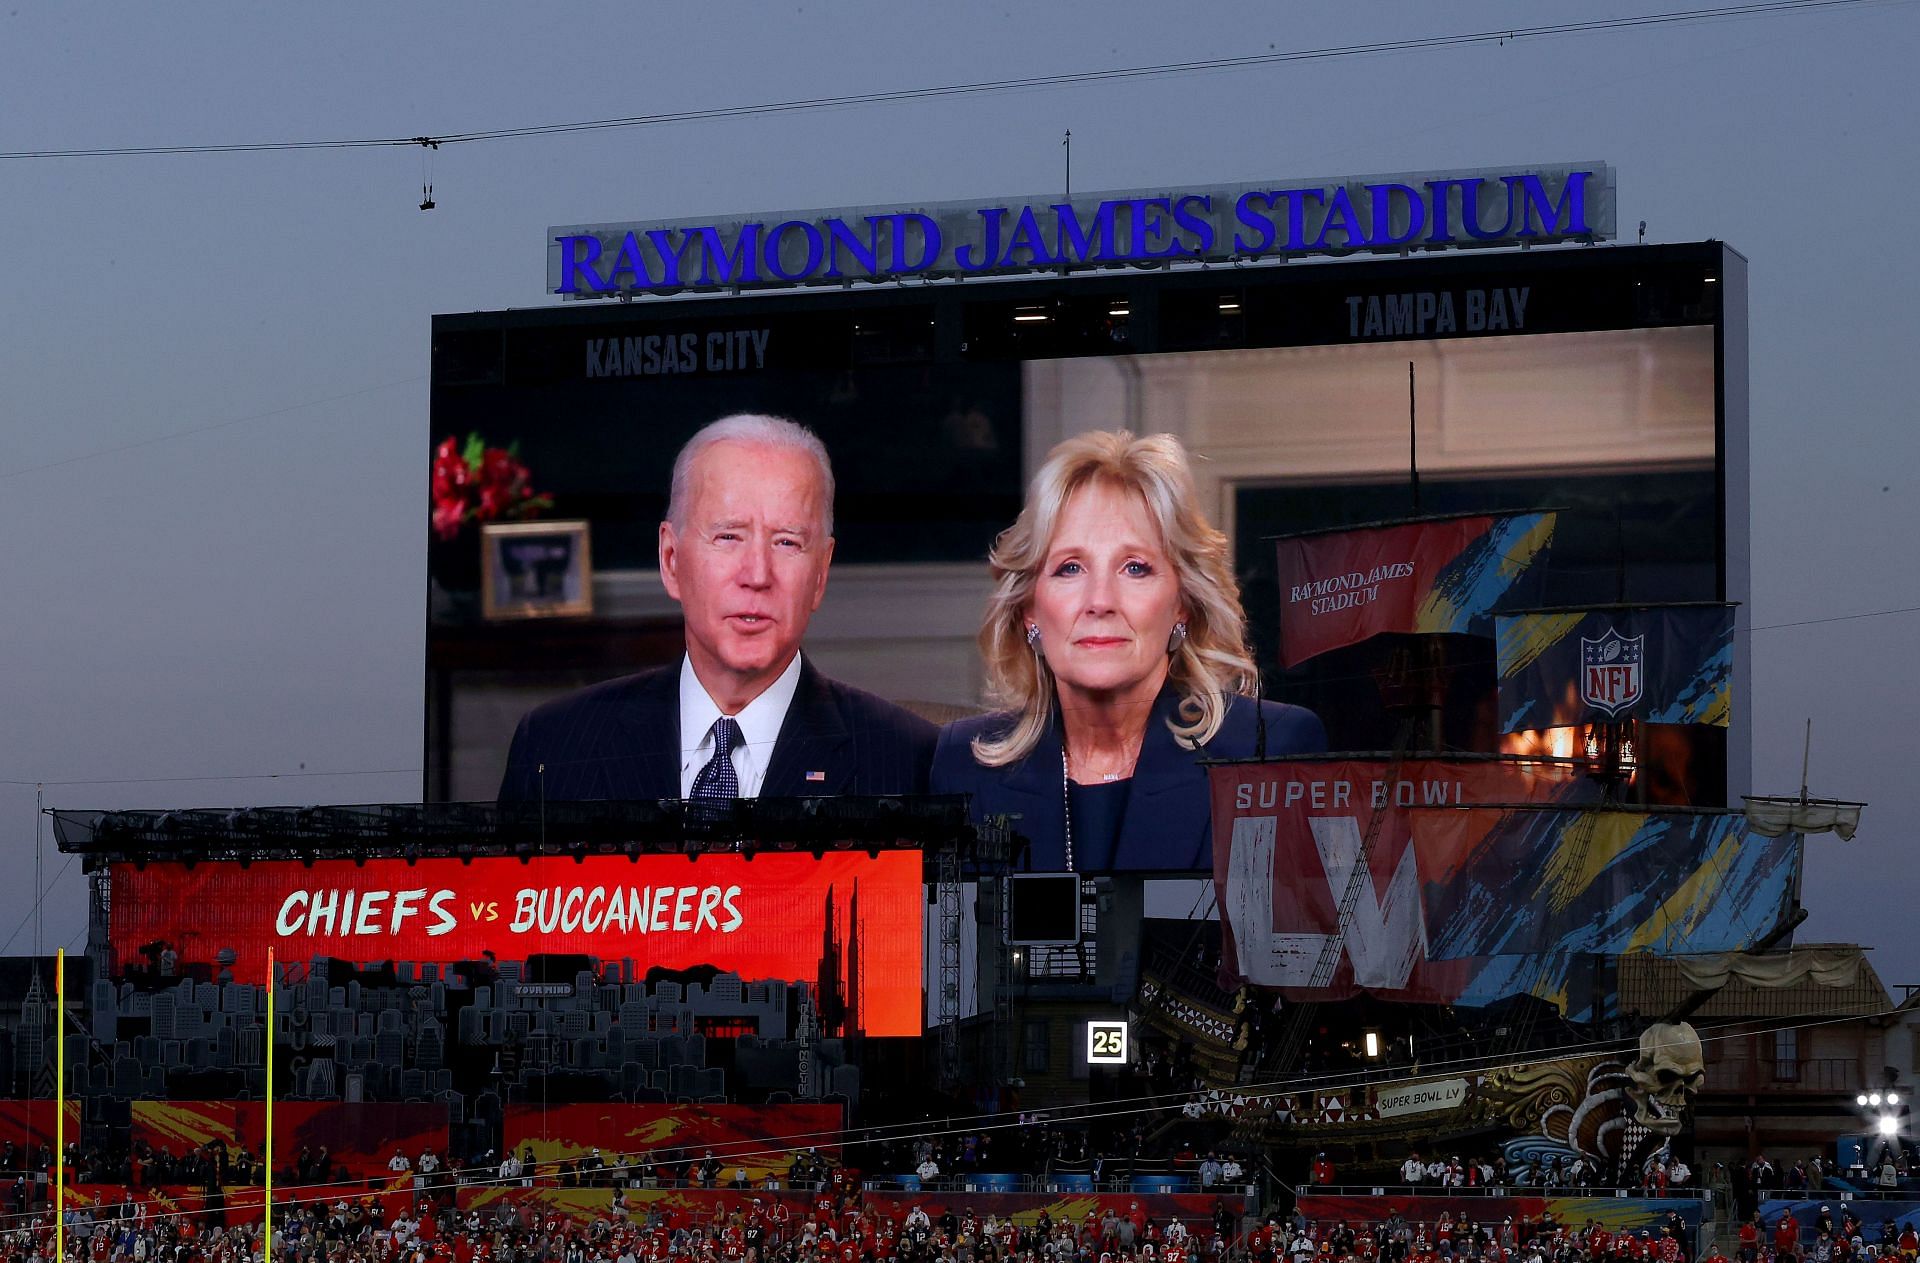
1586 382
852 917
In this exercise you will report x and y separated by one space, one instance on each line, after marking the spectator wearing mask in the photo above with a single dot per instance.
1786 1235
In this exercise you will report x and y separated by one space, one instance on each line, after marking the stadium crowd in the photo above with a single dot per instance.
1826 1239
835 1225
211 1165
1885 1166
838 1224
1662 1174
941 1156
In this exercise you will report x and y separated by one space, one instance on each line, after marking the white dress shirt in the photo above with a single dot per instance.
759 721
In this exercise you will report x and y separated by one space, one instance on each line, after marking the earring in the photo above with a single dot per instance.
1033 637
1179 634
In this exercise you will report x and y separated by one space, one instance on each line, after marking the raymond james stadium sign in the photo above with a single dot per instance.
1494 207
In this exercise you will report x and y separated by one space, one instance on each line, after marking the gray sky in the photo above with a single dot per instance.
247 600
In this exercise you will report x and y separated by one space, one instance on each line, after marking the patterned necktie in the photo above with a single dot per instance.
718 779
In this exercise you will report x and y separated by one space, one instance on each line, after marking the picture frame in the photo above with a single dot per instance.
538 569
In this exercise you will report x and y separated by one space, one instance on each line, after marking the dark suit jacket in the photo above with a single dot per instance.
621 740
1168 822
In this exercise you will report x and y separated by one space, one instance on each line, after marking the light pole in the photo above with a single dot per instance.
1883 1111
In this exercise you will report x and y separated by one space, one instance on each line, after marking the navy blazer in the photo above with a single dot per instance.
621 740
1168 825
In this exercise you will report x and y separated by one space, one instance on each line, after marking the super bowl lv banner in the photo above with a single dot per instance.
1287 837
1429 575
1669 664
1482 879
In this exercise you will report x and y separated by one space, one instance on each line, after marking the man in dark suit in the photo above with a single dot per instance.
745 550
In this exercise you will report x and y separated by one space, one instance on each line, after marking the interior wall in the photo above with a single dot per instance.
1639 398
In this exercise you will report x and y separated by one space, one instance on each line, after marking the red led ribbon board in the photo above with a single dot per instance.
774 917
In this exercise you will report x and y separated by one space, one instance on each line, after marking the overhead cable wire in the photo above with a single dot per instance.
1496 36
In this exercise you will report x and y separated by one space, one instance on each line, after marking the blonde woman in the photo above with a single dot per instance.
1115 644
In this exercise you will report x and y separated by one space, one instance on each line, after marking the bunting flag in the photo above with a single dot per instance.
1670 664
1338 588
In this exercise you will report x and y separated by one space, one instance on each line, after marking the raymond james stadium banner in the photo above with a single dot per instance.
1469 892
1493 206
1341 587
1663 664
779 916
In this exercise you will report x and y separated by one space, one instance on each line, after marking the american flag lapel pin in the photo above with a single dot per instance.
816 776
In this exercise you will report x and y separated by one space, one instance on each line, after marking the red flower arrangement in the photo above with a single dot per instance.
477 483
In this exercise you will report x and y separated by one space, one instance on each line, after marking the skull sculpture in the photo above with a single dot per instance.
1666 1076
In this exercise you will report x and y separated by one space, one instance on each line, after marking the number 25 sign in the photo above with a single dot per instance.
1106 1043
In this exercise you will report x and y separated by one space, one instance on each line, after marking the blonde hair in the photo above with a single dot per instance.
1209 665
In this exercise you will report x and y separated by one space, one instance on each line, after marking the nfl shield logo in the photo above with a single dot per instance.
1610 671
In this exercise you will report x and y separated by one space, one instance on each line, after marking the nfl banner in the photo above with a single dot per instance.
1483 880
1669 664
1338 588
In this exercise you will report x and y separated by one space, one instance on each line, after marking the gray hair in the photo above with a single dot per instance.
751 427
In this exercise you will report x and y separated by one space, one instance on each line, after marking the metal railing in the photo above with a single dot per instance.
1831 1196
1057 1182
1685 1194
